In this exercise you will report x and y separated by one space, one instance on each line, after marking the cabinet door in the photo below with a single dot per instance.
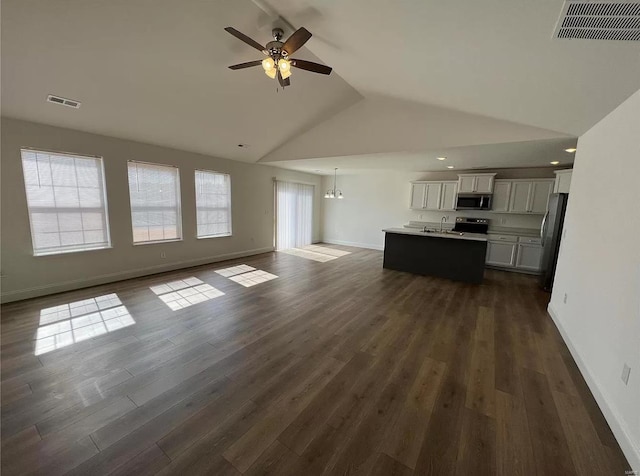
563 182
539 198
432 196
466 184
529 257
519 202
501 254
501 193
417 195
484 184
448 196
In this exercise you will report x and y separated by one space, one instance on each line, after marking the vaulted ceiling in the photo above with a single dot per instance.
410 79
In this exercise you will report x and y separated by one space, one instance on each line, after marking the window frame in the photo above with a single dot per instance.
205 237
178 205
105 203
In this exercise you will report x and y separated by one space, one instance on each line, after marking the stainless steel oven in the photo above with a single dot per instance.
473 201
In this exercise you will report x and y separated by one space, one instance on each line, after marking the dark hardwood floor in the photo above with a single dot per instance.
336 367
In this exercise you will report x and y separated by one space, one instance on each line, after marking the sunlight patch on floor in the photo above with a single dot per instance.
228 272
316 253
253 278
61 326
183 293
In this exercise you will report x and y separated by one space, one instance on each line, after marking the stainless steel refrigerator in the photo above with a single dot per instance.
551 234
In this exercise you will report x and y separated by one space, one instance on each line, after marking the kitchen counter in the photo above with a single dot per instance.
435 234
445 255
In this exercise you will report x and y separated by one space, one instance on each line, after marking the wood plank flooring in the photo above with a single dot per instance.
336 367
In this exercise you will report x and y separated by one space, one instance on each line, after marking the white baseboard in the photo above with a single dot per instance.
70 285
354 244
617 424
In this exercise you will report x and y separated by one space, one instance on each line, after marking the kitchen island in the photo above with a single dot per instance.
456 256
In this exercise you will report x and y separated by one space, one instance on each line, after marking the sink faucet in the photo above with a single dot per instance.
424 229
442 220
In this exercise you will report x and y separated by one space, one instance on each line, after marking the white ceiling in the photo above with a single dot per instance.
156 71
491 57
493 156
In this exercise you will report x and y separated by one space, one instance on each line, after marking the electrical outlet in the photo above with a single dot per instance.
503 221
565 298
421 216
626 370
163 255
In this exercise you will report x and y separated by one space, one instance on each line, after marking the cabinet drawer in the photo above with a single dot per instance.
530 239
508 238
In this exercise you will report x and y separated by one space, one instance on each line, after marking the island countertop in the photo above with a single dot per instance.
455 236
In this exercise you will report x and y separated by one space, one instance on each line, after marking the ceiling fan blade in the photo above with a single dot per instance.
311 66
295 41
248 64
242 37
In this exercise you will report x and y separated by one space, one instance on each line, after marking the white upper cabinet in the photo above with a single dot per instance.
539 198
519 202
563 181
484 183
433 195
475 183
417 195
501 194
448 196
522 196
466 183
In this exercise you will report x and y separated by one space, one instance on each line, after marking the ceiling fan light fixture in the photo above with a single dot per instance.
271 73
268 64
284 65
285 74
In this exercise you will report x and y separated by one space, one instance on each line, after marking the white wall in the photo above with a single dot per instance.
26 276
599 269
374 201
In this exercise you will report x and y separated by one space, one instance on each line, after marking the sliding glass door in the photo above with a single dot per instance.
294 214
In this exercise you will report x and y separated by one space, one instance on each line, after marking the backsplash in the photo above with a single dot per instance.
497 219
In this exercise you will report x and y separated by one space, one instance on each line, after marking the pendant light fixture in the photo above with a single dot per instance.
334 192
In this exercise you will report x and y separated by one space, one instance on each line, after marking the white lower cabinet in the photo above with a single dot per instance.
501 253
518 253
529 257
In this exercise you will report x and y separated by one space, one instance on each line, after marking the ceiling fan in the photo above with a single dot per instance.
278 61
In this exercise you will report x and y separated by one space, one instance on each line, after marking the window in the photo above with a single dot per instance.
66 201
213 204
154 191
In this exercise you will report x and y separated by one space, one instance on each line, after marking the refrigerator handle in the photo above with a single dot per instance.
542 227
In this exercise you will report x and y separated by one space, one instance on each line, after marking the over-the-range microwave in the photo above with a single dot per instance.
473 201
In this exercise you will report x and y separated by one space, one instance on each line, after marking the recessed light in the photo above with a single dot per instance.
571 150
555 162
442 158
449 166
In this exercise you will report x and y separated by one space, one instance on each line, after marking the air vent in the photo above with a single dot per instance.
599 20
63 101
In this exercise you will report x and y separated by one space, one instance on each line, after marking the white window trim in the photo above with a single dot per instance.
107 228
221 235
179 205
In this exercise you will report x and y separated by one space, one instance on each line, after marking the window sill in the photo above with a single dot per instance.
141 243
214 236
66 252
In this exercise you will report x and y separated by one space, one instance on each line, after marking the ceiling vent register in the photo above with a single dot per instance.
599 20
63 101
